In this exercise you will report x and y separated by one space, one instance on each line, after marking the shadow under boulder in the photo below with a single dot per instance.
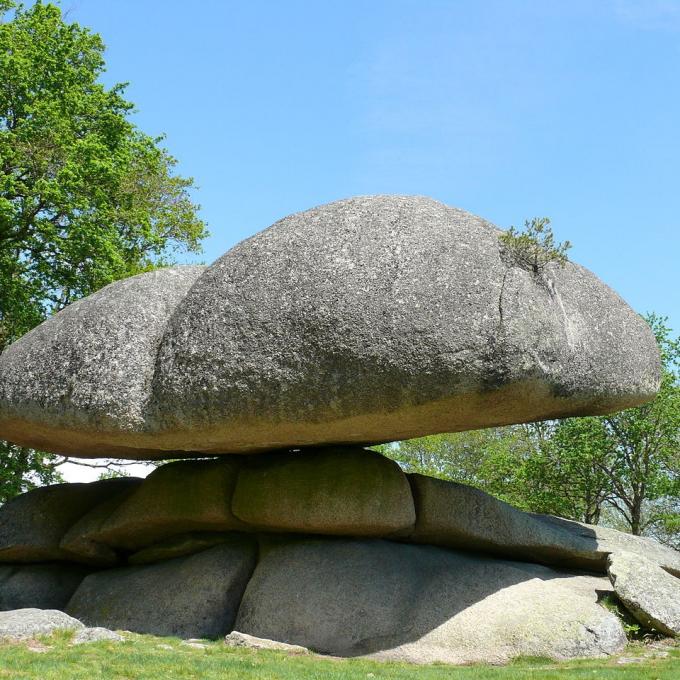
38 586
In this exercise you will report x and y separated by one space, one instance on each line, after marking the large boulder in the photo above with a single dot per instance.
40 586
20 624
189 597
33 524
422 604
78 384
344 490
179 497
370 319
460 516
81 541
649 593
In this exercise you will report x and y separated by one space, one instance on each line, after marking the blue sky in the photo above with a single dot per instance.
508 109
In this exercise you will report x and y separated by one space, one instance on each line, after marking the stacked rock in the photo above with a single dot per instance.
363 321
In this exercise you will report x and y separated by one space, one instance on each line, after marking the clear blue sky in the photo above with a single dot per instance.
508 109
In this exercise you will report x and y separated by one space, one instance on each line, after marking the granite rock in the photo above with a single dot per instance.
33 524
370 319
178 497
38 586
649 593
331 491
22 624
78 384
194 596
367 597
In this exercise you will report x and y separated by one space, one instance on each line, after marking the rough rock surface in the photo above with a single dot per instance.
236 639
602 541
39 586
80 541
650 593
422 604
459 516
331 491
78 384
20 624
175 498
33 524
370 319
178 546
195 596
87 635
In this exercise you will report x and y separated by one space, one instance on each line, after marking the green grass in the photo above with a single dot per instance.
143 657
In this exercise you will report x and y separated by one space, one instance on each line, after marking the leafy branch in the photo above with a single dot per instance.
535 246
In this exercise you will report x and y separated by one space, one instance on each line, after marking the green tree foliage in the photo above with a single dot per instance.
535 246
86 198
622 469
23 469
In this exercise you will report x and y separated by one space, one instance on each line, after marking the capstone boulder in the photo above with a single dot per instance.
370 319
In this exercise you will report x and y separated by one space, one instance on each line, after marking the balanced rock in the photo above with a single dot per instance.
20 624
38 586
33 524
195 596
371 319
649 593
422 604
345 490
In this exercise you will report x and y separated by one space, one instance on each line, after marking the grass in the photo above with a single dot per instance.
144 657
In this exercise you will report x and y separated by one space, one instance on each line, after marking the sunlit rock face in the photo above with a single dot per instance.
370 319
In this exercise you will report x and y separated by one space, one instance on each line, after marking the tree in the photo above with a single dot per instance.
23 469
643 448
86 198
535 246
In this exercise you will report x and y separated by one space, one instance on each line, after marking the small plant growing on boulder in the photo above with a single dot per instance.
535 246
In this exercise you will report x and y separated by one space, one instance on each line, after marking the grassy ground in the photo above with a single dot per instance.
143 657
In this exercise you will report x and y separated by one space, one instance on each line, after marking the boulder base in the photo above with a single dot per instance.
33 524
327 491
650 593
38 586
195 596
179 497
422 604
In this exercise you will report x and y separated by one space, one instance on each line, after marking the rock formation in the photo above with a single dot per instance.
362 321
371 319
